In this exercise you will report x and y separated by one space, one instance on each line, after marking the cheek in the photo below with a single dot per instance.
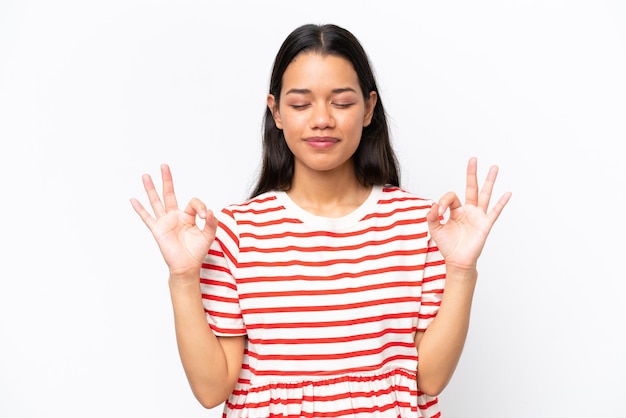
294 122
353 123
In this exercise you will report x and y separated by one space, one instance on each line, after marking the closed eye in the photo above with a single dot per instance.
299 106
343 105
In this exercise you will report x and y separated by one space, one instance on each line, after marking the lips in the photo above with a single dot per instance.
322 139
321 142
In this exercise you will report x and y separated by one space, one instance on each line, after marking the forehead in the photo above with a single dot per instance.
311 70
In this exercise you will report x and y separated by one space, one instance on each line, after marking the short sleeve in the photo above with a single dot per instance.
433 284
220 297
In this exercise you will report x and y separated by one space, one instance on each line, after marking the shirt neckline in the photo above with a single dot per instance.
342 222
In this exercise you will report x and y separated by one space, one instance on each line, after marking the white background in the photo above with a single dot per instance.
95 93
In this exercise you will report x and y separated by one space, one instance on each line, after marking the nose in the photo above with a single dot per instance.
321 116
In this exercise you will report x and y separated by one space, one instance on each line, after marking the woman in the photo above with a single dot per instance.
323 287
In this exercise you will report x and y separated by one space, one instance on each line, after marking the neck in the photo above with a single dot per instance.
329 194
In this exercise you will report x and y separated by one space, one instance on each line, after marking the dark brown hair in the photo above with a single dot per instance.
374 160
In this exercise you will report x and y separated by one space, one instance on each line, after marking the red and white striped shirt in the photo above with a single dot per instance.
330 306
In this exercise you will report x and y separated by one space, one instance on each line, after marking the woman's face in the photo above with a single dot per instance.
322 112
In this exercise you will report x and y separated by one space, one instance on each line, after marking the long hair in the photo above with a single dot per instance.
374 160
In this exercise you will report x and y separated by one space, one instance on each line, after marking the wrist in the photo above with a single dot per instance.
461 273
184 279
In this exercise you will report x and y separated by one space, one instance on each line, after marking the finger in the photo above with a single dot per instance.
448 201
471 188
210 225
433 218
196 207
169 197
495 212
143 213
487 190
153 196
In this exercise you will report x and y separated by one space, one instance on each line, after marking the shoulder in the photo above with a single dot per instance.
405 211
262 203
394 195
401 207
263 200
237 218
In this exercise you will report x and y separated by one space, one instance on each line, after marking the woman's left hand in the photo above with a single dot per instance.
462 237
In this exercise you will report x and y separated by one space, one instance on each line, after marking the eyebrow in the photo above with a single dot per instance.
308 91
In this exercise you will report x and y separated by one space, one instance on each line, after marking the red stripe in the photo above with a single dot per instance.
331 234
303 374
333 356
227 253
392 269
218 283
332 340
323 292
215 253
227 331
329 248
270 223
436 263
403 199
425 303
258 200
259 211
398 253
357 378
371 319
375 302
223 314
228 231
395 211
220 298
428 404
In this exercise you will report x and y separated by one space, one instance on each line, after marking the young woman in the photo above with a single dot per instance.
331 292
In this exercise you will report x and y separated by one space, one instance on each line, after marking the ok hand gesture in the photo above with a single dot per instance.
462 238
182 242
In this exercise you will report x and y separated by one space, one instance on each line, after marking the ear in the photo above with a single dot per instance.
370 104
271 104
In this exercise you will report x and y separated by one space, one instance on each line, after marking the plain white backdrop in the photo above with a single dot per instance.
94 94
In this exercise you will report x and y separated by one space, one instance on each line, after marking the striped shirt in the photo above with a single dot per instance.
330 306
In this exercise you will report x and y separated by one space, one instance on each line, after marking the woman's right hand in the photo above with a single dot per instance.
182 242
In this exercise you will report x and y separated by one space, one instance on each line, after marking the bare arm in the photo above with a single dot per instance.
441 345
460 240
211 363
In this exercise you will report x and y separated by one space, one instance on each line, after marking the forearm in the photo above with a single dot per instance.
204 357
440 347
